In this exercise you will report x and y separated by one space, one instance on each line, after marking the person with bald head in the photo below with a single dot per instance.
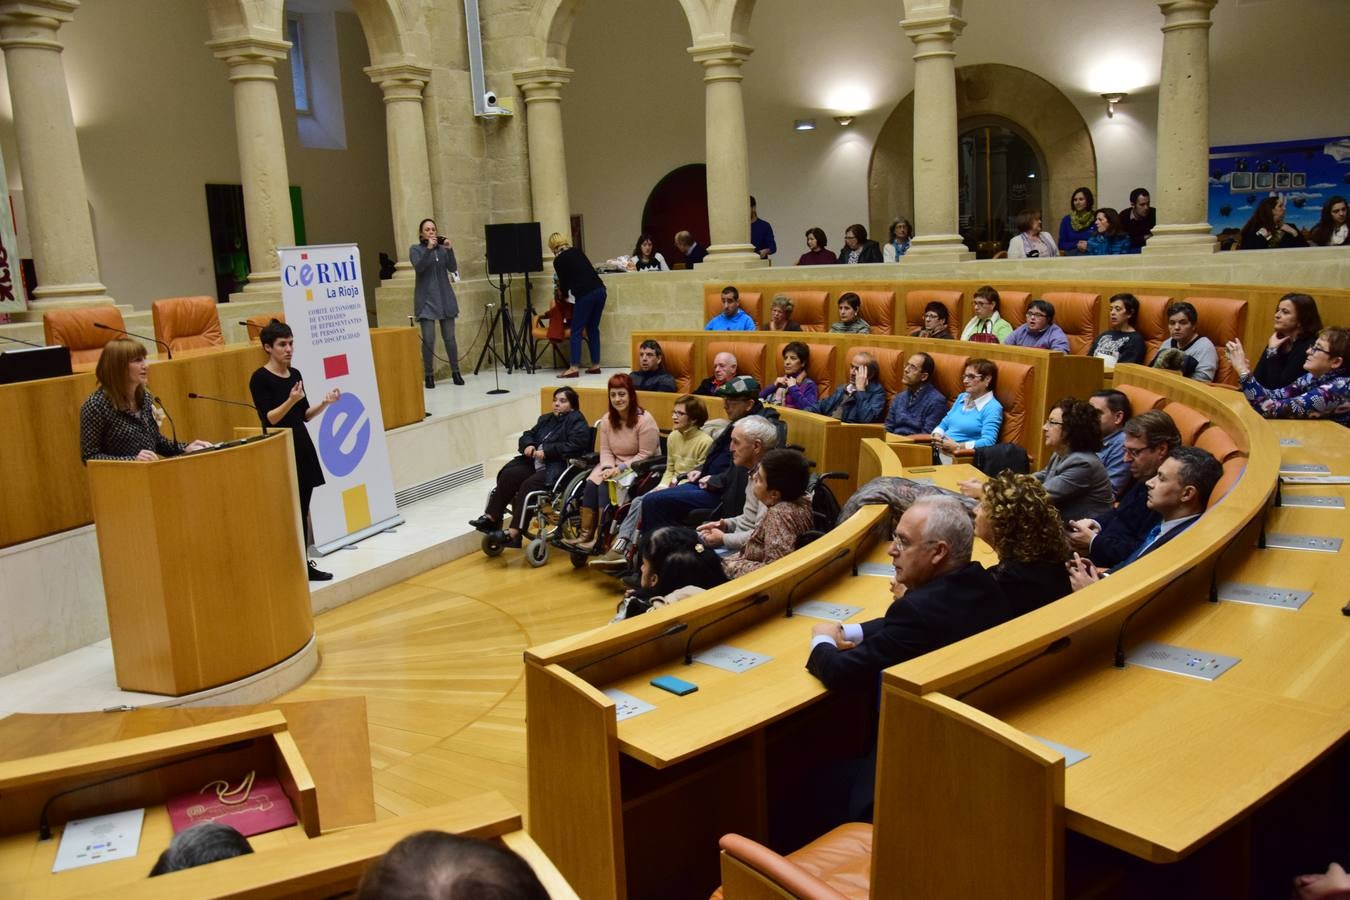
724 369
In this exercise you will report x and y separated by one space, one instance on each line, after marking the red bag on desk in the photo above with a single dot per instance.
260 807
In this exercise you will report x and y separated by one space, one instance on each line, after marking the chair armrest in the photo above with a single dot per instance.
652 462
585 460
779 871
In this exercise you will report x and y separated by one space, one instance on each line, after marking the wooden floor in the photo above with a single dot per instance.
439 660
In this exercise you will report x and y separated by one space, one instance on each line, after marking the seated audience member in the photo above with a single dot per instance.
1122 343
1019 520
1178 493
1267 229
1079 225
986 325
941 597
651 374
897 240
544 450
976 416
1031 242
1202 360
693 252
1138 219
793 389
1333 884
780 315
436 865
686 449
920 406
1074 477
935 323
117 421
1113 411
1150 437
1331 229
857 248
1297 323
754 437
724 369
645 256
1321 392
628 434
779 483
1108 238
862 399
205 842
1039 330
816 254
732 317
849 320
673 563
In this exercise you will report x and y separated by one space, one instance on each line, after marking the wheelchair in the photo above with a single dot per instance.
568 529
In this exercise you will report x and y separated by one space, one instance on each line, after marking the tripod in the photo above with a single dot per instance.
507 356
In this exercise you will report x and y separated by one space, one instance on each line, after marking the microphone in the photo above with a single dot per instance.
21 341
675 628
173 429
167 351
263 418
1120 637
688 652
842 552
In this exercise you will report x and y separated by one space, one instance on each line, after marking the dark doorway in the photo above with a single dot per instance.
229 236
679 202
1000 176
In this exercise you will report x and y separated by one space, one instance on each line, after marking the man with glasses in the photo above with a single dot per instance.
1150 438
920 406
1113 408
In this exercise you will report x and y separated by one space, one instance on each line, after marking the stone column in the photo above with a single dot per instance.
1182 191
60 230
936 215
542 88
727 156
251 64
409 165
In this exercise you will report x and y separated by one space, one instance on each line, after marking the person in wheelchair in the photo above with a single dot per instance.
779 483
628 434
544 451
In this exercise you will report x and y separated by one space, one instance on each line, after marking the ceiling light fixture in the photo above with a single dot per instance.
804 125
843 121
1111 100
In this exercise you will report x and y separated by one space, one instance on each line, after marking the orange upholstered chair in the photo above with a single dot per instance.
947 370
678 359
819 369
1232 471
1189 421
835 866
877 310
1013 390
750 356
74 329
915 301
187 323
1152 322
1221 319
751 302
1219 444
808 310
553 327
255 324
1076 313
1141 399
892 365
1012 307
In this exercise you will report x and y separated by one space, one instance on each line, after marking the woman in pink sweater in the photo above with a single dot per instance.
627 435
779 482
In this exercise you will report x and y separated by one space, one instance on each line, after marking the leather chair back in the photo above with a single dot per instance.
1141 399
892 365
808 310
1013 391
1221 319
820 368
947 371
1232 471
750 356
1189 421
1219 444
1012 307
187 323
877 310
915 301
751 303
74 329
678 358
1152 322
1076 313
255 324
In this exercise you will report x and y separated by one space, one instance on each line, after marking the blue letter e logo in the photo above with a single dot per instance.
348 414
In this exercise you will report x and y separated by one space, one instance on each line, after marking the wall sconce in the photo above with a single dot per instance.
804 125
843 121
1111 101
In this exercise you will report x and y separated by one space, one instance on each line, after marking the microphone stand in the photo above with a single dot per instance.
496 377
675 628
21 341
839 554
262 417
688 645
140 337
173 429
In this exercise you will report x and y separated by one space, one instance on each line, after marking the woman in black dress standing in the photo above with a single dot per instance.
577 276
279 396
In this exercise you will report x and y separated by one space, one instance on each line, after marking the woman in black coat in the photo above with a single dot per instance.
544 451
857 248
1019 520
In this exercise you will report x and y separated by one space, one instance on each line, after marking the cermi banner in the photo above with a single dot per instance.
325 307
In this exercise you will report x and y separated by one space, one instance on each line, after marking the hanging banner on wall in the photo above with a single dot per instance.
11 281
321 293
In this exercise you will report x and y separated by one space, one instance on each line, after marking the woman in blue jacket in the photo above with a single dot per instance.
976 417
1109 238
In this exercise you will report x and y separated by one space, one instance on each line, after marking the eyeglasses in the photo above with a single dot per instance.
1131 452
910 367
1057 424
1316 349
971 376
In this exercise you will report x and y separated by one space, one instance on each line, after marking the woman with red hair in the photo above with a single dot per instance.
628 434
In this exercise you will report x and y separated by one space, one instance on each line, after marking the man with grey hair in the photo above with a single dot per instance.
751 438
941 597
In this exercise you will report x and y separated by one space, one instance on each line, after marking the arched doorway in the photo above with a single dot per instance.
1000 175
679 202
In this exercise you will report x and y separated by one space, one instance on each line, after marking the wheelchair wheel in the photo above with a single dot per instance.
536 552
491 547
568 506
578 559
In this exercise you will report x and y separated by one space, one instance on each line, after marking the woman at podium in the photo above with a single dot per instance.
118 420
279 396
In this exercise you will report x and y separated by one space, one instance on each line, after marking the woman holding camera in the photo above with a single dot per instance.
433 262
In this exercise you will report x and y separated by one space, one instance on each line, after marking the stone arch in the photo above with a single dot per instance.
1026 102
395 31
709 21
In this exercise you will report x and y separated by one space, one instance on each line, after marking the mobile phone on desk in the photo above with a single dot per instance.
677 686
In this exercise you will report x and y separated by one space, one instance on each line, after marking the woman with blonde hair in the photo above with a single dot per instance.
1019 520
577 281
118 420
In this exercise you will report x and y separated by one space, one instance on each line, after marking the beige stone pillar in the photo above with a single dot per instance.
251 64
60 230
936 208
542 88
409 166
1182 191
727 156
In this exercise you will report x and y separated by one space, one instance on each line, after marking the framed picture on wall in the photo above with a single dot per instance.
1264 181
1242 181
1283 181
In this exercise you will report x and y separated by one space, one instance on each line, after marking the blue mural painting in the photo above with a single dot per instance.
1307 172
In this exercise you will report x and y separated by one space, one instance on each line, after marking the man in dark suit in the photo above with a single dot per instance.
1178 493
941 597
693 253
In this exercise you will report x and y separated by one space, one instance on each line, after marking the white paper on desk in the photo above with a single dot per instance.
86 842
626 705
880 570
1315 479
731 659
823 609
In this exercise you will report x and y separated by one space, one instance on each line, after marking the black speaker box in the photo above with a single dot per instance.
513 248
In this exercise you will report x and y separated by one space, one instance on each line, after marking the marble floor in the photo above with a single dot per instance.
435 531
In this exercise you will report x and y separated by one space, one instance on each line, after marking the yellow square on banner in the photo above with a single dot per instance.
309 295
356 507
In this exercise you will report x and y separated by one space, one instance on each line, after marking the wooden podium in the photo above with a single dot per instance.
203 565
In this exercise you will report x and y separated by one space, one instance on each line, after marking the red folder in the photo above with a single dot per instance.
266 808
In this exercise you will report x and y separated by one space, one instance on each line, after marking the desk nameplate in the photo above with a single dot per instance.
1180 660
1312 501
1262 595
1315 542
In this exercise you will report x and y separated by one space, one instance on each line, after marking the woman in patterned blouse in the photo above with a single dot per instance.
117 421
779 482
1321 392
